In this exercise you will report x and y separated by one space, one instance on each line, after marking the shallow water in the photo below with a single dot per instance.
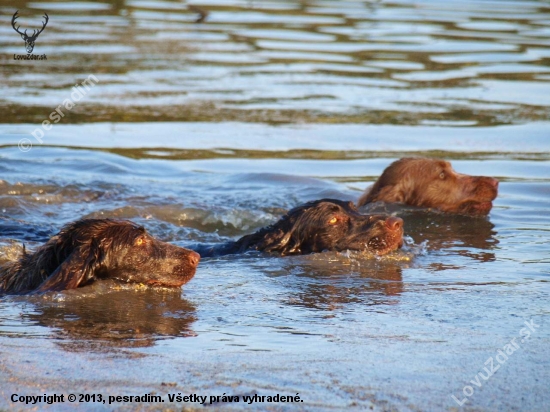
206 132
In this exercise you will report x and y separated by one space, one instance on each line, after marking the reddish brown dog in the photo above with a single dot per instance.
92 249
433 183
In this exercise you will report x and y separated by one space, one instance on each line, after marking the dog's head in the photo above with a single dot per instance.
91 249
433 183
328 224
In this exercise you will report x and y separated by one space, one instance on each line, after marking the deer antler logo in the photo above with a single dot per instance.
29 40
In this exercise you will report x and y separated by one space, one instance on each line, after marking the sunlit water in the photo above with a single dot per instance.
204 132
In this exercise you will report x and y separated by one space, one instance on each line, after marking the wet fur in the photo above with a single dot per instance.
91 249
432 183
305 229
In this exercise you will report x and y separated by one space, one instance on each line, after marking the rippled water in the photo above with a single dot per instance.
203 132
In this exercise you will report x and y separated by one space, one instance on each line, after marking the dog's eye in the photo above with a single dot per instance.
140 241
442 175
333 221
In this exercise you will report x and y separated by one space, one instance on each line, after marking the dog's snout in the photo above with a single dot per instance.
394 223
485 181
194 259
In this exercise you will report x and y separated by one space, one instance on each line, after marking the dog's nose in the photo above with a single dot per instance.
194 259
493 182
394 223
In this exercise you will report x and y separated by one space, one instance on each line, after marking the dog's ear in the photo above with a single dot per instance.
285 236
76 270
390 194
281 243
270 239
277 237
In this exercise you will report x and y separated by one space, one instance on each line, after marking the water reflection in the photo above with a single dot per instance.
473 237
104 318
330 281
280 62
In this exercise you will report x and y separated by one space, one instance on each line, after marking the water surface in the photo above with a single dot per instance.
204 132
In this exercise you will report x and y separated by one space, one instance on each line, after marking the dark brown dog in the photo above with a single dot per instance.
92 249
317 226
434 184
